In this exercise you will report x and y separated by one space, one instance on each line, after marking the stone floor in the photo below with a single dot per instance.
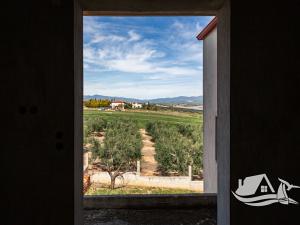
204 216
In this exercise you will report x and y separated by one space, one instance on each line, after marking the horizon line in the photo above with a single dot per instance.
143 98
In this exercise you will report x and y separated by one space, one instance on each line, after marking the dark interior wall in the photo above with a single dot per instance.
265 78
37 112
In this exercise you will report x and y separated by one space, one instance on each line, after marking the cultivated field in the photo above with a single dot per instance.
143 117
165 142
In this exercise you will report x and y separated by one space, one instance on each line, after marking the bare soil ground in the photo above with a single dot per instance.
148 162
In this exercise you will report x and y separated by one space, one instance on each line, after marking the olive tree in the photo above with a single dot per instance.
95 124
120 150
177 147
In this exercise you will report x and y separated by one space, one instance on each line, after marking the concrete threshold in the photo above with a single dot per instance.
150 201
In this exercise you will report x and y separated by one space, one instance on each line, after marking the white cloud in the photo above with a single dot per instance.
183 39
101 38
91 26
138 57
133 36
178 54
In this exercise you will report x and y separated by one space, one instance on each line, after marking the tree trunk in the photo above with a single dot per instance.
113 176
112 182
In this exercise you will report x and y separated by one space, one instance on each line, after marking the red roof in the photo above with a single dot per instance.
209 28
117 102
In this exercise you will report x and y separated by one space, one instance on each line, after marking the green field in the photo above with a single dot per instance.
142 117
135 190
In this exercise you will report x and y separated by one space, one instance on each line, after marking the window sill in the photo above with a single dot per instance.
150 201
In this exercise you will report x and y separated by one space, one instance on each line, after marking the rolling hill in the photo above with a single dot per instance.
189 100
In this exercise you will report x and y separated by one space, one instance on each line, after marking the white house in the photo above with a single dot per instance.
117 105
136 105
209 37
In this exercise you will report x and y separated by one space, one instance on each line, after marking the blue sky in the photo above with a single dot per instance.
143 57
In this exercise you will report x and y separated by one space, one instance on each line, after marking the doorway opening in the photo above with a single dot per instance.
143 105
222 126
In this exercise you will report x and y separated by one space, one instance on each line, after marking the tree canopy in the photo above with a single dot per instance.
121 148
96 103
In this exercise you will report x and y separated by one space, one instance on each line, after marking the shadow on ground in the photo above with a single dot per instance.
205 216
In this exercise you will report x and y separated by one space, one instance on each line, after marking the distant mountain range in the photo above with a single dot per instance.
191 100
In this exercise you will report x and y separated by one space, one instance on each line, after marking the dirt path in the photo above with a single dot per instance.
148 162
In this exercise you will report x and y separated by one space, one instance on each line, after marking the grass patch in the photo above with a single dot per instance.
135 190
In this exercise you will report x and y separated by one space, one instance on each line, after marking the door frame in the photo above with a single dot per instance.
220 8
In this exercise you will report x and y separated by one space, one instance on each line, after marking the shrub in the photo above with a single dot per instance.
95 124
177 147
95 103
